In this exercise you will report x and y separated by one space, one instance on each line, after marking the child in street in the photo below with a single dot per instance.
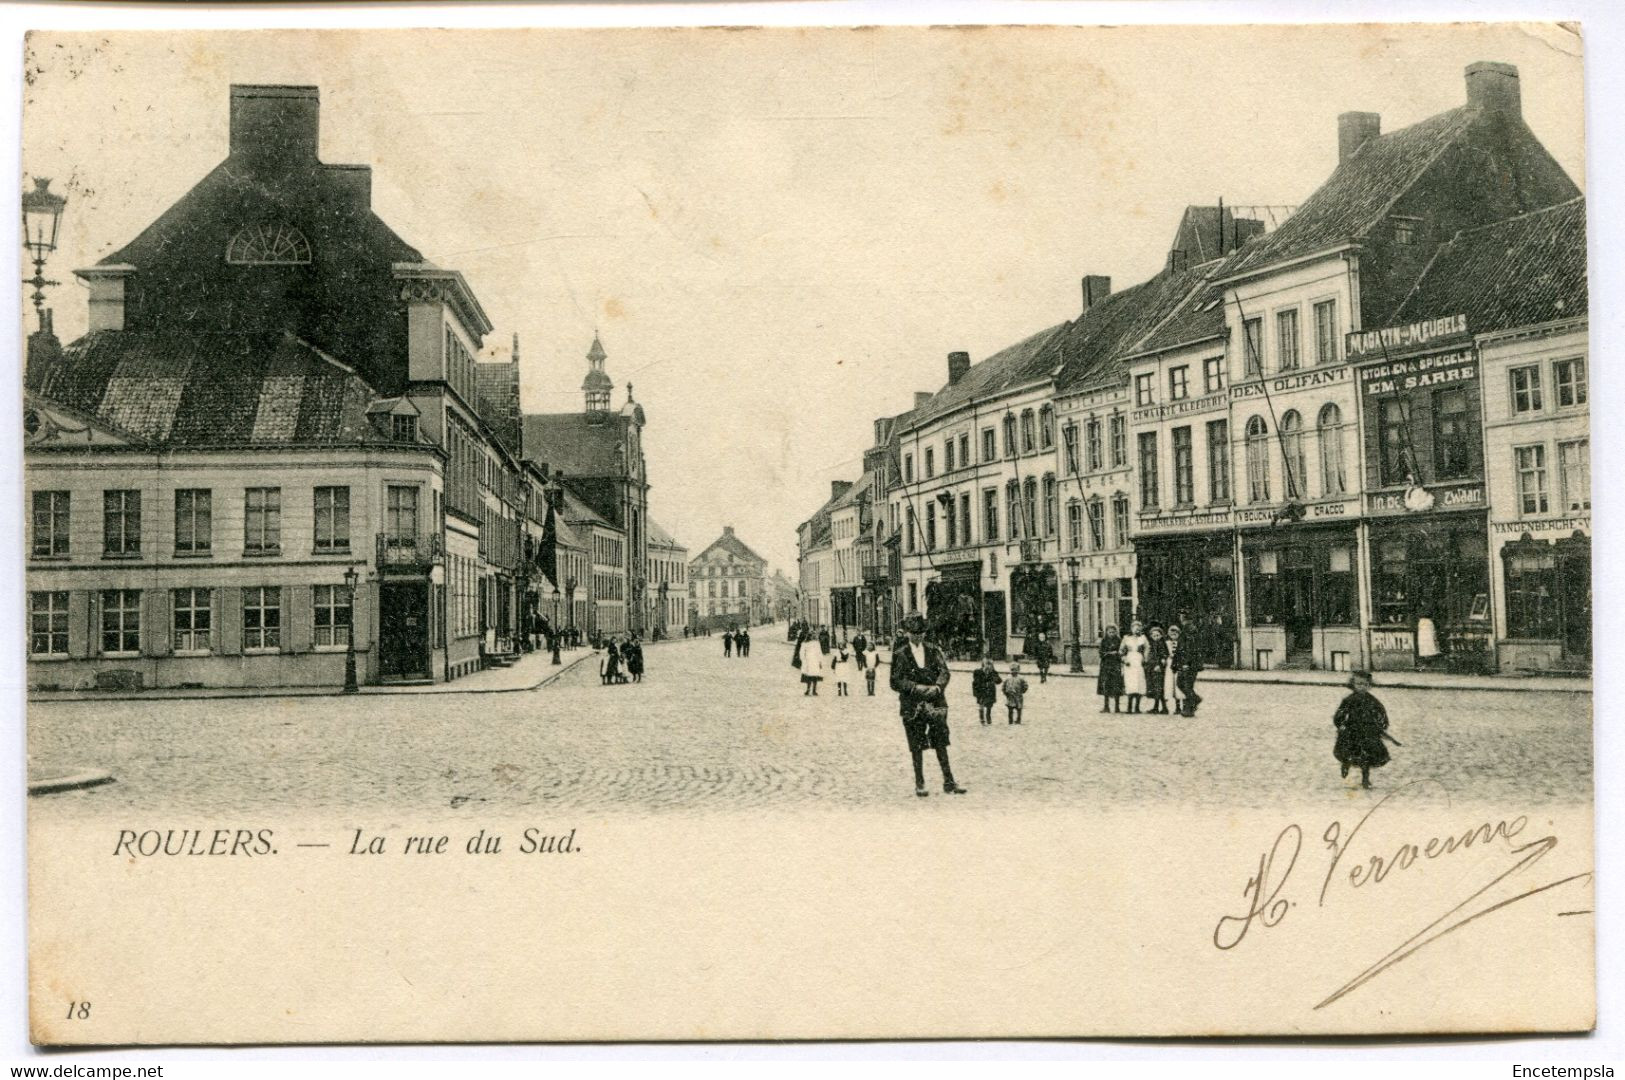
1362 724
1015 690
984 684
840 667
871 663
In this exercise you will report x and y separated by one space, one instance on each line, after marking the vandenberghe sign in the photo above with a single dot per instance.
1364 343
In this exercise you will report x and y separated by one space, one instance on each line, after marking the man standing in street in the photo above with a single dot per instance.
1189 663
919 674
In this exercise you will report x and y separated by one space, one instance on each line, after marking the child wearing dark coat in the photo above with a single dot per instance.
984 684
1361 724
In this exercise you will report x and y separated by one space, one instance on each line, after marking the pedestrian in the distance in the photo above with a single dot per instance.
742 641
919 674
1132 651
1362 724
1109 680
1156 668
1015 693
984 686
840 667
811 655
1188 664
634 659
1043 656
870 659
727 643
609 669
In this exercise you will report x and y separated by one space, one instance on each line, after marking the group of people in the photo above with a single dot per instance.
736 642
985 683
1152 662
622 661
816 653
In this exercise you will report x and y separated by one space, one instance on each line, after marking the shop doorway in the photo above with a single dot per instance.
993 619
403 630
1574 579
1298 588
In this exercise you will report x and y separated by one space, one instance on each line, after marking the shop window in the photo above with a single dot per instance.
1332 478
1570 377
1336 590
1532 593
1258 461
1525 383
1218 461
1292 451
1148 470
1393 439
1574 465
1264 587
1531 465
1391 584
1454 435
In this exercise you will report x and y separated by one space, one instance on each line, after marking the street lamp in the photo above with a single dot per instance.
1077 646
42 216
350 684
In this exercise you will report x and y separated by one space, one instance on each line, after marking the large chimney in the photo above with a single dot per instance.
1354 130
921 397
727 530
1493 87
837 488
1096 287
958 364
275 123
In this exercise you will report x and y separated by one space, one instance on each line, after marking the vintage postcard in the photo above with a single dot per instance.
806 534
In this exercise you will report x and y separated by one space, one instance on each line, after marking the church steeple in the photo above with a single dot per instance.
597 386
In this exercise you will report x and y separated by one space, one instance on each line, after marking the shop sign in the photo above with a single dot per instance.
1153 413
1363 344
1184 519
1566 525
1332 508
1393 641
1419 373
1282 384
1458 497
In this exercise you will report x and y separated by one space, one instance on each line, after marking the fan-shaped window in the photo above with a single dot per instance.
268 245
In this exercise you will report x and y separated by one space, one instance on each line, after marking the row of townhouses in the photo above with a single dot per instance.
283 441
1350 433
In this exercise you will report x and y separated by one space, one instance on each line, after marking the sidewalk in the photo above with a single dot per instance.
531 672
1408 680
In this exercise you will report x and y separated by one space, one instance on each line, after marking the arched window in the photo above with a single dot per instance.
1046 427
1028 444
1292 450
1009 435
1332 479
268 245
1258 461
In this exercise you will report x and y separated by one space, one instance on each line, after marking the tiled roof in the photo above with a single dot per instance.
1021 363
1089 351
577 510
213 389
852 494
1519 272
658 536
576 445
731 543
1360 191
1199 317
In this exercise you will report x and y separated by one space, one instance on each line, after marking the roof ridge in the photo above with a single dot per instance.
1565 204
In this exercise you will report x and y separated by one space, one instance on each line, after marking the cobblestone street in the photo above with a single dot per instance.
703 732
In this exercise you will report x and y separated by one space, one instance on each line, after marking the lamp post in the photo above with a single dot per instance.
1077 645
42 216
350 684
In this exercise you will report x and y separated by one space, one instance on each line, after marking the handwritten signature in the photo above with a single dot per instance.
1268 905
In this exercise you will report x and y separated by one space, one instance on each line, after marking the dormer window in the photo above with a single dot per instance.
1405 230
405 427
268 245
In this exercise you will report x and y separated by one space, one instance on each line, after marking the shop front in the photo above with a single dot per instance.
1302 602
1545 572
843 608
1430 593
1034 597
954 610
1194 573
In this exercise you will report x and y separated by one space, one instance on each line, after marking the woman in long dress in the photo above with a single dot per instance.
1156 667
811 653
1109 682
1133 651
1170 679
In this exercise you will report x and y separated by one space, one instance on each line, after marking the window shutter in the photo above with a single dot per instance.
229 624
298 616
157 622
81 633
